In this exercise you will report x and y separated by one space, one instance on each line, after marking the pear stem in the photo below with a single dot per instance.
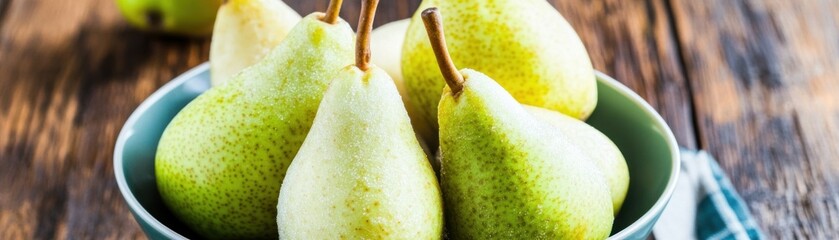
332 12
365 27
434 26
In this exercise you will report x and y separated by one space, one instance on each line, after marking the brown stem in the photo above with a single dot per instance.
365 26
434 26
332 12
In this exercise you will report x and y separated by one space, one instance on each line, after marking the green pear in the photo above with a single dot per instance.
222 159
387 54
525 45
505 174
361 174
181 17
596 145
246 31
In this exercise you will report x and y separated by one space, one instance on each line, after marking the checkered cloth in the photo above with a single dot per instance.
705 205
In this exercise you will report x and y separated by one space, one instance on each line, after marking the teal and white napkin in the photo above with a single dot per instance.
705 205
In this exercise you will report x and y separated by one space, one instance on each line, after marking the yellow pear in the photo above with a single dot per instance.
505 174
245 32
221 161
524 45
596 145
361 173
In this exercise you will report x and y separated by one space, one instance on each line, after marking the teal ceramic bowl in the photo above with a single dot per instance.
645 140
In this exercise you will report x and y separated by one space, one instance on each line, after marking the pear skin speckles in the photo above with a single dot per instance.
506 175
221 161
525 45
597 146
361 174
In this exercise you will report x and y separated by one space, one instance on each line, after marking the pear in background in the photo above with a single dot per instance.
246 31
387 54
505 174
361 174
222 159
525 45
597 146
181 17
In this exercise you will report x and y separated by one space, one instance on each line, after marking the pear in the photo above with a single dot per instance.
505 174
246 31
361 174
525 45
182 17
387 54
597 146
222 159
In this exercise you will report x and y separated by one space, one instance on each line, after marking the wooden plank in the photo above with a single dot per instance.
3 6
633 41
763 75
72 72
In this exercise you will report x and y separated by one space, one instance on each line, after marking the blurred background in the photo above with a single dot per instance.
751 81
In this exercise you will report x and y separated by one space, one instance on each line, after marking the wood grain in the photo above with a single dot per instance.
752 81
763 75
72 73
634 42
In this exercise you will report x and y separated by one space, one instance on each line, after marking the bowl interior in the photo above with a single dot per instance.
136 148
645 143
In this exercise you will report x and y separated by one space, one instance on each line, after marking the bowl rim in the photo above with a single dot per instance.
125 133
661 203
140 211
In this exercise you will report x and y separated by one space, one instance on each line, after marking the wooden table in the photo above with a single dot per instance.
754 82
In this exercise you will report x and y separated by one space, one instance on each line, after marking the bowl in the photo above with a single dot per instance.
641 134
